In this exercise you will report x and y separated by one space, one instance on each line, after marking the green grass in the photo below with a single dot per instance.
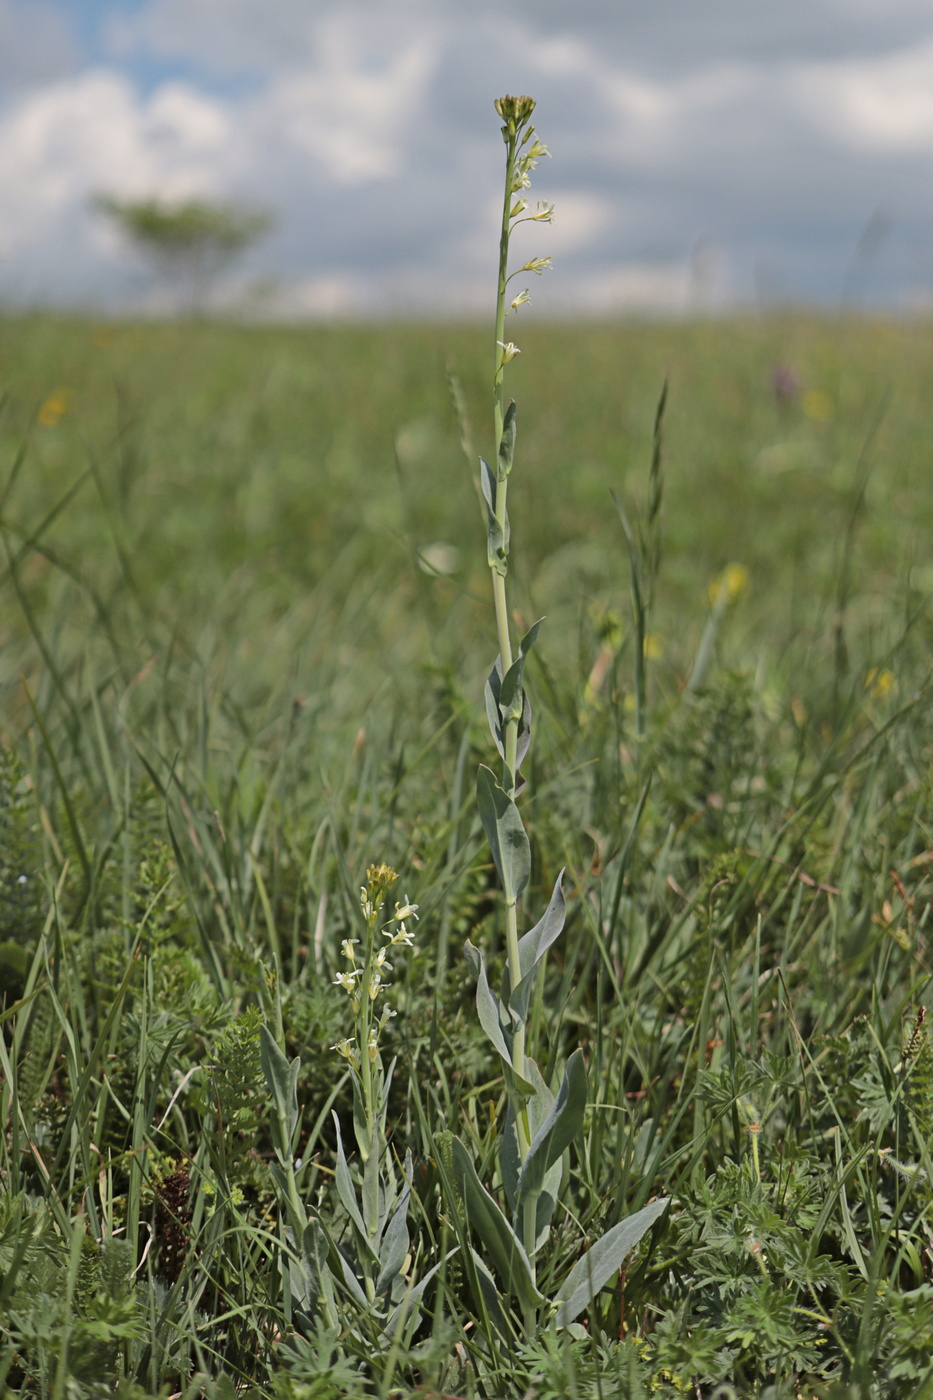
227 687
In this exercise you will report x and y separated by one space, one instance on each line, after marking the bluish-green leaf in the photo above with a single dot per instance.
510 691
536 1110
507 442
282 1081
487 1004
603 1260
407 1308
491 696
491 1297
524 737
532 948
499 1239
497 535
492 693
347 1193
369 1196
557 1132
394 1247
489 1012
316 1275
505 833
351 1283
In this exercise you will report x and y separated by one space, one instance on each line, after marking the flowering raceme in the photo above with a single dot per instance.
364 979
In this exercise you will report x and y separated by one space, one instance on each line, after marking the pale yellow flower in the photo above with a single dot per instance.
55 407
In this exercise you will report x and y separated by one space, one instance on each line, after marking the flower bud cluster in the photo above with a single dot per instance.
515 112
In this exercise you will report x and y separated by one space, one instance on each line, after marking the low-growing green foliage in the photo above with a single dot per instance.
245 644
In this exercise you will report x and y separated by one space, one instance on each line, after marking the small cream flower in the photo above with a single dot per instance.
406 911
348 1050
537 266
544 213
401 937
521 300
509 351
386 1017
347 980
347 946
518 208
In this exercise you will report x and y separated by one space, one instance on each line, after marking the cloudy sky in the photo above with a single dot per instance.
704 152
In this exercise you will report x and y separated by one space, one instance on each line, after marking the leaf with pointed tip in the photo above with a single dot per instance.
347 1194
489 1011
497 535
491 695
361 1128
502 1244
487 1004
532 948
351 1283
510 691
602 1260
524 737
405 1312
394 1249
282 1080
558 1130
507 443
505 833
311 1278
537 1109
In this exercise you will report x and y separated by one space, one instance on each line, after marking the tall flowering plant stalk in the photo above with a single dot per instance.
539 1124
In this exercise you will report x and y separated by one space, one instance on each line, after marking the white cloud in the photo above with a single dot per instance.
352 118
368 128
883 104
579 220
62 144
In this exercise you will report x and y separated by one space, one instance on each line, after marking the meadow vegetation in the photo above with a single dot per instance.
246 632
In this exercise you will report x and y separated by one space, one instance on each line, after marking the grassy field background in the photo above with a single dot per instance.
245 632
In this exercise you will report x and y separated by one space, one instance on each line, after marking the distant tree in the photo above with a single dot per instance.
189 242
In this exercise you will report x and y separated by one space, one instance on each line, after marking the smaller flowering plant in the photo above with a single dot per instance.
364 981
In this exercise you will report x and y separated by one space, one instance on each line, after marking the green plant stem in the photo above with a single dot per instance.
364 1024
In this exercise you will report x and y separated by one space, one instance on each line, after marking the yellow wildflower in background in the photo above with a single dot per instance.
55 407
817 406
729 585
880 683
